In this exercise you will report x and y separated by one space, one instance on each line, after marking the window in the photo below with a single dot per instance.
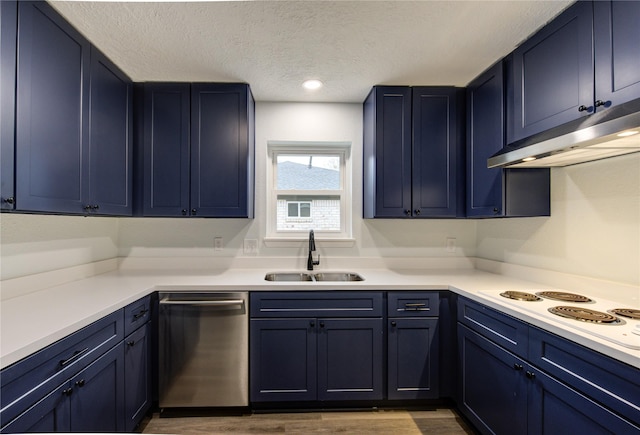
309 189
298 209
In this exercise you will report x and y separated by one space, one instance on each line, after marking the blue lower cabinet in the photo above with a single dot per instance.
97 401
316 359
413 358
493 393
51 414
137 379
555 408
559 388
92 401
282 360
350 359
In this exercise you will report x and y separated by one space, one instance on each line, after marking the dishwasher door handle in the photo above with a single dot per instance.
223 303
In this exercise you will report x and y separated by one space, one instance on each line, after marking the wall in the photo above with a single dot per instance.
594 228
297 122
37 243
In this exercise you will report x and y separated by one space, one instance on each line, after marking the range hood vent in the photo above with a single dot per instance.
599 136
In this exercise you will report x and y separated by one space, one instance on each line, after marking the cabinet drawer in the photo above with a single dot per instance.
610 382
503 330
413 304
28 380
136 314
316 304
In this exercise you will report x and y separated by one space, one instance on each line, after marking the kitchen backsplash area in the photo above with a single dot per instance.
593 229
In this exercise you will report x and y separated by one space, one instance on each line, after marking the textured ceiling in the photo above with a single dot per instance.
275 45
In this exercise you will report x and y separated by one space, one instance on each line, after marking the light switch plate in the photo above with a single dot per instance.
218 243
451 244
250 247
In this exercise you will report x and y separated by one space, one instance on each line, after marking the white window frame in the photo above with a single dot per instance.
343 150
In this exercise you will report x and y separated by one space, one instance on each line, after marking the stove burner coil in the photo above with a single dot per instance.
585 315
563 296
520 296
631 313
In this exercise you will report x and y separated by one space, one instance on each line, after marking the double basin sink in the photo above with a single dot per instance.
320 276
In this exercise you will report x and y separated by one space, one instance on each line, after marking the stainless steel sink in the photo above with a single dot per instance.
301 276
288 276
338 276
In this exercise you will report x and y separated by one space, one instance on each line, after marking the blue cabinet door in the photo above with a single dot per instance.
350 359
282 359
97 402
387 152
51 127
554 408
221 140
413 358
617 53
485 137
51 414
8 35
493 390
553 73
166 149
497 192
137 380
437 152
110 138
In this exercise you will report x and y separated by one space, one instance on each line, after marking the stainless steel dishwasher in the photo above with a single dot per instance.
203 349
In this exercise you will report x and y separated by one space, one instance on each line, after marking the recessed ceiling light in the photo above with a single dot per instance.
628 133
312 84
528 159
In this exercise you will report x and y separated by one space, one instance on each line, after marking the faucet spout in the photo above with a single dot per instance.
312 247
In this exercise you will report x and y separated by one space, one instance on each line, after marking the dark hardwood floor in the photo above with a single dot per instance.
439 421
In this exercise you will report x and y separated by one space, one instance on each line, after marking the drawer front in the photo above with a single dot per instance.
316 304
136 314
413 304
612 383
53 365
506 331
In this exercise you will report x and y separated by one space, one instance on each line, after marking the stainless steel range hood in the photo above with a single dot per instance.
596 137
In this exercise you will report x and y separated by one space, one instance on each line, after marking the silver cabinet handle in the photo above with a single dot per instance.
77 354
225 303
416 306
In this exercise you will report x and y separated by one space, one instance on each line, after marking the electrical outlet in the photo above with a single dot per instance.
218 243
451 244
250 247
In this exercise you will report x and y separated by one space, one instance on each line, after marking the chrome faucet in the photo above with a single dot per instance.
312 248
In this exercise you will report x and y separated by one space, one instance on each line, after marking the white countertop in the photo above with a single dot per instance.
30 322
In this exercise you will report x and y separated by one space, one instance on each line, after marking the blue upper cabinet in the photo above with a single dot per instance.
412 152
73 121
198 150
485 137
438 152
584 61
8 34
111 148
166 149
387 152
497 192
617 51
553 73
51 126
222 147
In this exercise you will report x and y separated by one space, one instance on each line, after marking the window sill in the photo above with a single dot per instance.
291 242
